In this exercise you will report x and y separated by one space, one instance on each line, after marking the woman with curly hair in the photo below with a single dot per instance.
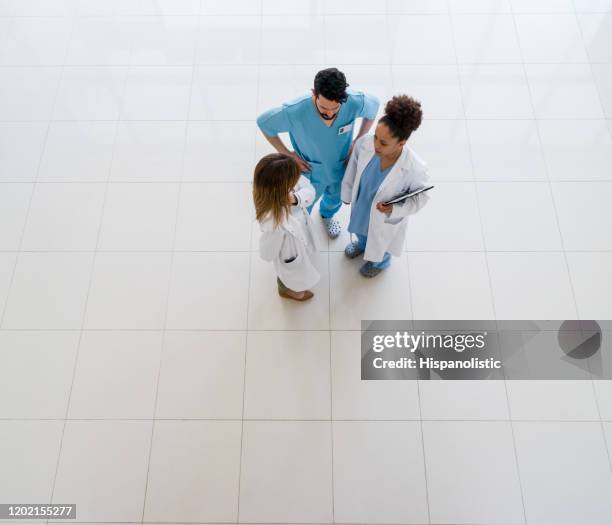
380 168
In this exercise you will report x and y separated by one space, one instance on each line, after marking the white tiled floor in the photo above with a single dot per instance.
150 373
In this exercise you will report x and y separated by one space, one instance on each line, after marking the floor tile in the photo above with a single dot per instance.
486 39
64 217
194 471
554 399
463 400
14 207
21 146
128 291
90 93
577 150
534 228
354 398
353 298
202 375
8 260
116 375
214 87
286 473
33 41
444 146
139 216
506 150
234 143
38 367
550 38
390 452
492 91
303 39
157 93
340 29
163 40
563 91
78 152
583 214
596 33
229 40
196 279
233 7
590 272
437 87
602 74
447 285
49 291
203 219
471 472
561 487
148 151
287 375
29 451
28 93
531 285
94 454
421 39
97 41
430 229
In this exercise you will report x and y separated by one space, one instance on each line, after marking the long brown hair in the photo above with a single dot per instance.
275 176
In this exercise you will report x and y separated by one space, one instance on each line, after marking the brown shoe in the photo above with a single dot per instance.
307 295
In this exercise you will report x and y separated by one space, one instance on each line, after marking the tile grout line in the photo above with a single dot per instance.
172 258
607 446
48 122
329 321
249 278
486 251
415 420
412 313
34 182
91 270
556 214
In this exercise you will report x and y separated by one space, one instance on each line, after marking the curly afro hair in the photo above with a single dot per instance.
402 116
331 83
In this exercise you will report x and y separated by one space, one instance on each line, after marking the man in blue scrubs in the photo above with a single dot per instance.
320 127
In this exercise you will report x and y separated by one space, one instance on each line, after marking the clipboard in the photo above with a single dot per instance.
404 196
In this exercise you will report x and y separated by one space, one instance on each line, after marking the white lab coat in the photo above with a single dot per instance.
293 239
409 173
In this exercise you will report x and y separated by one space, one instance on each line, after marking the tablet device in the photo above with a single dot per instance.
407 195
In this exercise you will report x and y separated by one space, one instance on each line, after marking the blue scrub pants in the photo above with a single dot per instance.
331 202
385 263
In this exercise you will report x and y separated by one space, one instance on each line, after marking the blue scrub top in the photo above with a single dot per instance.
324 148
371 179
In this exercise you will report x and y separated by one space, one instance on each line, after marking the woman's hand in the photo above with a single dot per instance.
292 198
384 208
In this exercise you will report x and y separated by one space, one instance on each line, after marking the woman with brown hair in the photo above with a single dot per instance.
281 197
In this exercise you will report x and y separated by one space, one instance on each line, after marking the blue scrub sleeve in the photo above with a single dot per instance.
369 107
273 121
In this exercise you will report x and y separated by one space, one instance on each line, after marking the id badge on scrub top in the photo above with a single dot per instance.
345 129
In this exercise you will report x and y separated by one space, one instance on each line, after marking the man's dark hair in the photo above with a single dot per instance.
402 116
331 84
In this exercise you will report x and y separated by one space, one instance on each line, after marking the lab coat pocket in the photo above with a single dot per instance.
298 274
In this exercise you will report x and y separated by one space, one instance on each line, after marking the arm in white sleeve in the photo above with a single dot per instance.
408 207
270 244
304 192
350 173
413 204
